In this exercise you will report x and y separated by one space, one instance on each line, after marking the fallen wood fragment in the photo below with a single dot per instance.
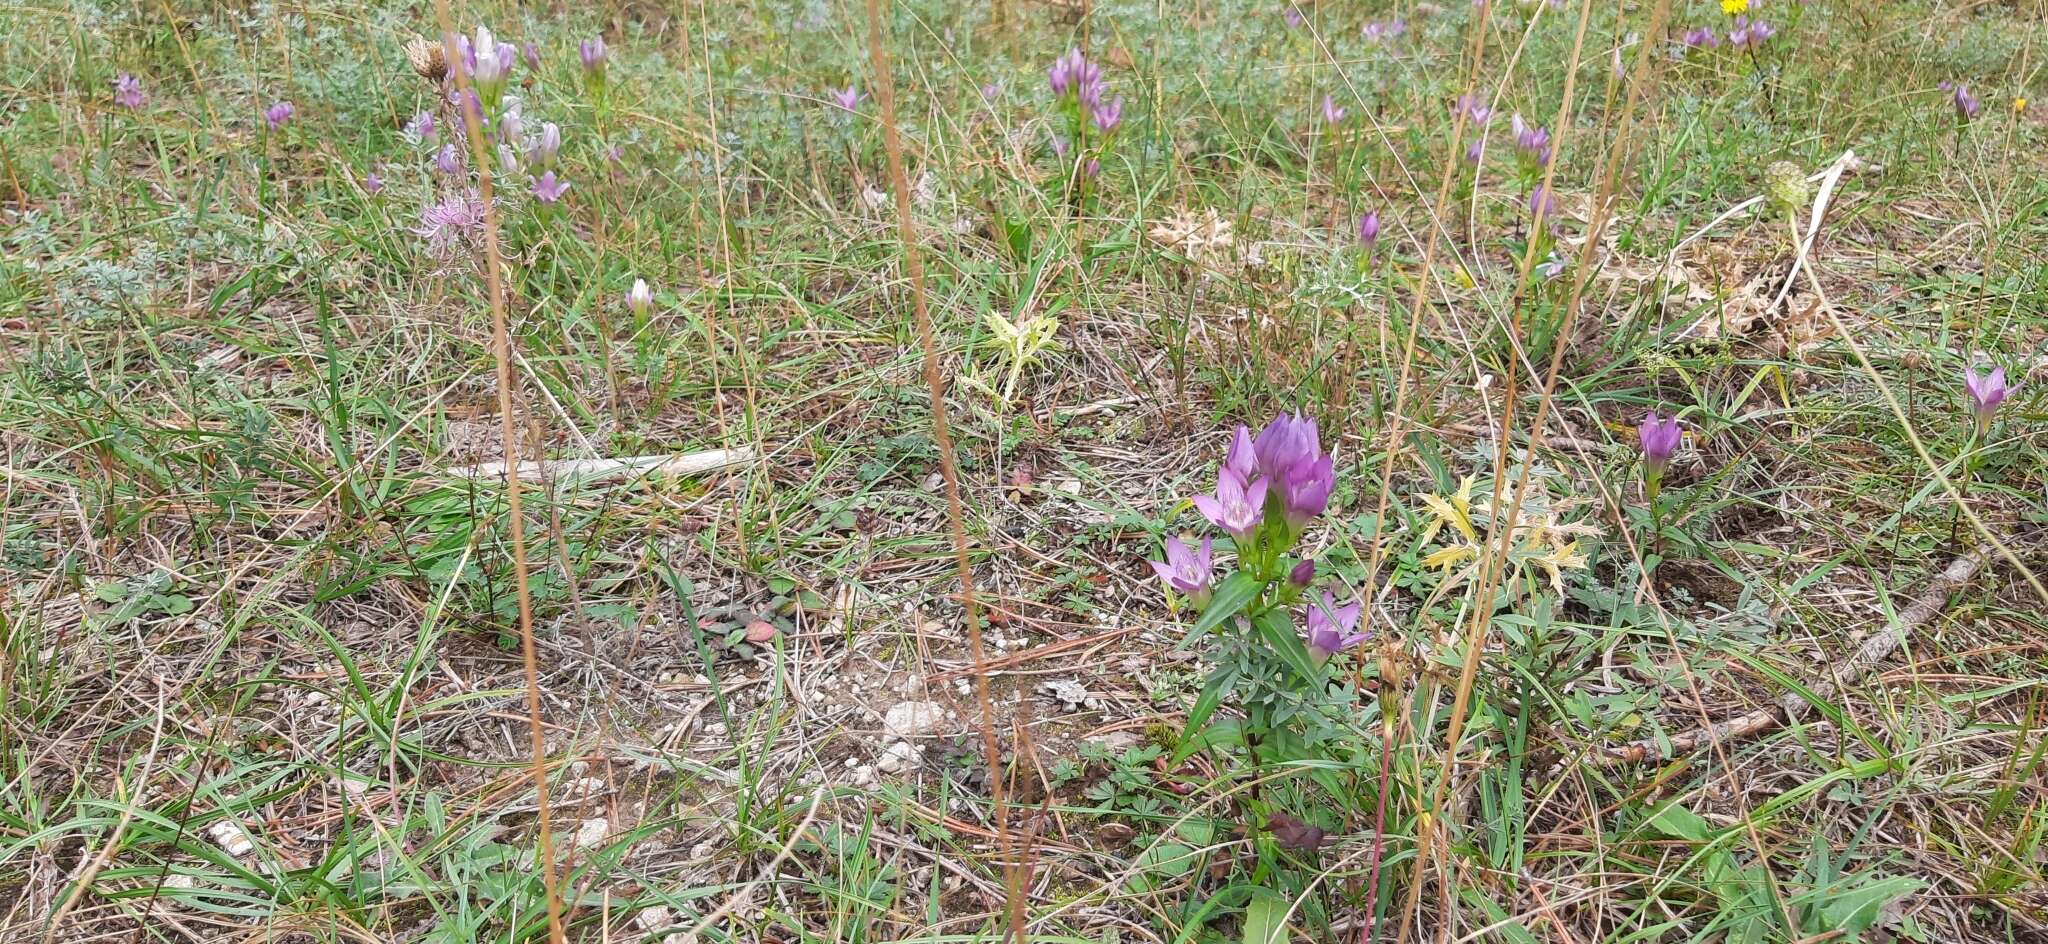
600 470
1931 601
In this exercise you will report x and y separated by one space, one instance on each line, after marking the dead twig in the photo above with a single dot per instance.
603 470
1851 669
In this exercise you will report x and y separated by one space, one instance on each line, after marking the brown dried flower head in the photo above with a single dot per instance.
427 59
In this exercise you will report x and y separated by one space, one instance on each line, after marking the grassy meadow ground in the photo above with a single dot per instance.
263 676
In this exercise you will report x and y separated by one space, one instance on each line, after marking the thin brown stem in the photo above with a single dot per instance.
956 517
501 352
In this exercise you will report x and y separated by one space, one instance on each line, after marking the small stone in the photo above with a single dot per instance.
914 719
655 918
591 832
900 756
230 836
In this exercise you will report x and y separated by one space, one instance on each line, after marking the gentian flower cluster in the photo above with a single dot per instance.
1269 487
1532 143
1086 102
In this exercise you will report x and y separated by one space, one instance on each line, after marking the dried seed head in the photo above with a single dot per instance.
1393 667
427 59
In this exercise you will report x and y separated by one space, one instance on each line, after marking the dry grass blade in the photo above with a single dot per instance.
956 515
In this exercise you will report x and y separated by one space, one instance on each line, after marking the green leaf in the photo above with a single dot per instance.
1218 687
1235 593
1265 918
1277 629
1677 822
1854 910
1160 861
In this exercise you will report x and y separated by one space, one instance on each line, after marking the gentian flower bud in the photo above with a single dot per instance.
1333 114
1302 573
641 298
1369 230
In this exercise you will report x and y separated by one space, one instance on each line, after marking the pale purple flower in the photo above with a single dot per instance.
1059 147
1986 392
1478 112
1093 168
1966 104
847 98
1542 204
1292 15
278 114
1369 230
489 61
593 53
1659 438
467 104
1073 73
457 219
1289 453
1747 34
1333 113
531 54
1108 115
1185 569
1236 507
1382 30
421 127
549 189
1302 574
641 298
448 160
1242 457
1702 38
1533 142
548 145
1476 151
1330 629
1551 267
373 184
128 92
991 91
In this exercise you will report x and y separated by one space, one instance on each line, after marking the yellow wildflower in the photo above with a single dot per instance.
1732 7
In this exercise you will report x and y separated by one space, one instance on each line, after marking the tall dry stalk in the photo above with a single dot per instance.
913 263
508 433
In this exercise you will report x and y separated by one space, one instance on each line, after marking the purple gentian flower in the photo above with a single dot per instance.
1331 629
128 92
373 184
1187 570
1108 115
1237 508
847 98
1369 230
489 62
1380 30
548 146
548 189
1986 392
1659 438
421 127
278 114
1966 104
991 91
1242 458
1476 151
1290 440
449 160
1542 205
1333 113
1305 490
1533 142
1479 112
1702 38
1551 267
593 53
1302 574
1093 168
532 56
1292 15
